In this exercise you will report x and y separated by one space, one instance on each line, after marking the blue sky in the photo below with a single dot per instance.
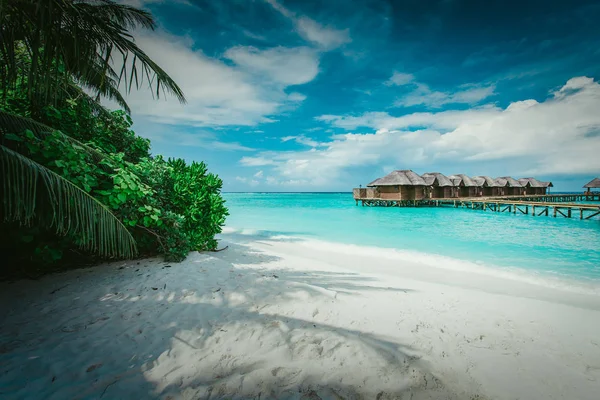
327 95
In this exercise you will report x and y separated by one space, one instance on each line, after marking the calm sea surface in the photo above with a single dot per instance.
548 246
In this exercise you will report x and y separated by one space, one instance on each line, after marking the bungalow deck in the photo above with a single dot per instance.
535 205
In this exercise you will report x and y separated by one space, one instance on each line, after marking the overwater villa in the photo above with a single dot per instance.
593 184
398 185
534 187
487 186
466 186
408 185
440 186
510 186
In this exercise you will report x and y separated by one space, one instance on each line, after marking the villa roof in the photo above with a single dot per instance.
532 182
442 179
405 177
483 180
546 184
507 180
594 183
467 181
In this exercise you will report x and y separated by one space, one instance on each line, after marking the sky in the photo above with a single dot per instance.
298 95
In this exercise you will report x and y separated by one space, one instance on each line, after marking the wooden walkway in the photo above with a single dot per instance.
555 205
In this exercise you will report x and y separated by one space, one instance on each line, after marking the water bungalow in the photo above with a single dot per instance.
466 186
510 186
535 187
487 186
593 184
440 186
399 185
405 188
547 185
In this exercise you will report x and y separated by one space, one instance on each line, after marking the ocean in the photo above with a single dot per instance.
546 247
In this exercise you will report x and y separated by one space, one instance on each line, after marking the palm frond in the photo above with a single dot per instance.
123 14
74 37
12 123
34 194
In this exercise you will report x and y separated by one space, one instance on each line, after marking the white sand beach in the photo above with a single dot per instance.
278 318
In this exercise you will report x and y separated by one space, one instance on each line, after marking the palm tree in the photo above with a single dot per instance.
68 43
80 38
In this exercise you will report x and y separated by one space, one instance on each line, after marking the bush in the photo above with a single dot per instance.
170 207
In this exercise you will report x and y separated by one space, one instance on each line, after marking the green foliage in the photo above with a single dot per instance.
170 207
71 167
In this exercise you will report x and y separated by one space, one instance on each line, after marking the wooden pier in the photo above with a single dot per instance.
539 205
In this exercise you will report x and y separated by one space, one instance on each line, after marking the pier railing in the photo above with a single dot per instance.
373 194
536 205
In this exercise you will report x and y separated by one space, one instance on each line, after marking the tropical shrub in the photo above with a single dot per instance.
170 207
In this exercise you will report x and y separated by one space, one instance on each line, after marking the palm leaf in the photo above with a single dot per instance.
12 123
34 194
77 38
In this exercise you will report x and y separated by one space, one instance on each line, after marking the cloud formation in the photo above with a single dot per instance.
560 135
288 66
248 92
422 94
324 37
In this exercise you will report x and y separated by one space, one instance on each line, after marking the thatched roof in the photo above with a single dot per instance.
531 182
508 181
546 184
405 177
483 180
442 180
594 183
466 181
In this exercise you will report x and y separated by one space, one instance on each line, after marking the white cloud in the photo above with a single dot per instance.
202 139
289 66
325 37
422 94
257 161
251 182
259 174
467 94
219 94
301 139
400 79
560 135
296 97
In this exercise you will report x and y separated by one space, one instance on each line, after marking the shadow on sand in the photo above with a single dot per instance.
208 328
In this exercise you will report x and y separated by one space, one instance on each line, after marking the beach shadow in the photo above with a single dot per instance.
217 328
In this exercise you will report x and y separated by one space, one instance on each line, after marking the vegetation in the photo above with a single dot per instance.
77 184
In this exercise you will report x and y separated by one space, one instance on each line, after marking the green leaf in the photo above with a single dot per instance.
40 196
13 137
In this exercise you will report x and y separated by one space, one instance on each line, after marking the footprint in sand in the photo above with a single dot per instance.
286 376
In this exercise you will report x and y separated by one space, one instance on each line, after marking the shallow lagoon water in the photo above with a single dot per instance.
546 246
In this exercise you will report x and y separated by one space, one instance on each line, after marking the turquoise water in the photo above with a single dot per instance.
558 247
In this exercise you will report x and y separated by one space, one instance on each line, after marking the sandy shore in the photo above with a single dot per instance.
278 318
